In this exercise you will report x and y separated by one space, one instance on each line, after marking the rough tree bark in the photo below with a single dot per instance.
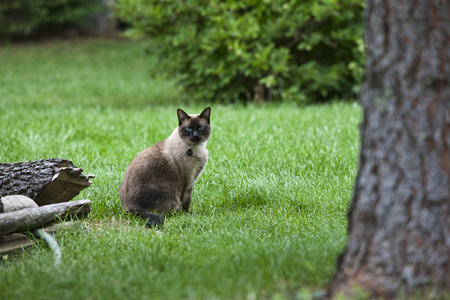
46 181
399 220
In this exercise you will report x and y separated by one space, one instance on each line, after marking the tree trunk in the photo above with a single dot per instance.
399 220
46 181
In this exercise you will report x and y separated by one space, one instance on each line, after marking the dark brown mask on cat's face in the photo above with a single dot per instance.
194 129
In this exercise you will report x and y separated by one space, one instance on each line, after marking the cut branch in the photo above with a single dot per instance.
33 218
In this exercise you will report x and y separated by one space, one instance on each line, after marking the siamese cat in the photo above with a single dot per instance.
161 178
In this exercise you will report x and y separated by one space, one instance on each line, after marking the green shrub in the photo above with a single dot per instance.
225 50
24 16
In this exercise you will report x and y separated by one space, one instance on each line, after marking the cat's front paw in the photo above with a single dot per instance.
155 221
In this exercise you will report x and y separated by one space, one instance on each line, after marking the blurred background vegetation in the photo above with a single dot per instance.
220 51
270 209
28 18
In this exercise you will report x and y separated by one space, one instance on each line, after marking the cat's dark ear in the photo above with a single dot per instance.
206 113
182 116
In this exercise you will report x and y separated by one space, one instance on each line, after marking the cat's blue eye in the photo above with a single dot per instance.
201 128
188 129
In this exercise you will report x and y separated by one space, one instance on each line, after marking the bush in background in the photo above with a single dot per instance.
25 16
255 50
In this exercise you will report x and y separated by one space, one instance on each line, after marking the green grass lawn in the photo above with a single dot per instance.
269 211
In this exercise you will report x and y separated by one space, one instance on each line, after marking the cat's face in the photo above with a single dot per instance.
194 129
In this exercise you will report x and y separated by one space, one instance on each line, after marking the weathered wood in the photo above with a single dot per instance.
33 218
46 181
13 242
17 202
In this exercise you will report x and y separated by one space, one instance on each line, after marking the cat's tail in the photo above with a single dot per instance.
152 219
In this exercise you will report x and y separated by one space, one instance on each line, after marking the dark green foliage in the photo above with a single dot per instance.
24 16
221 50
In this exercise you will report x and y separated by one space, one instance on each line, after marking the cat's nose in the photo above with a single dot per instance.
195 134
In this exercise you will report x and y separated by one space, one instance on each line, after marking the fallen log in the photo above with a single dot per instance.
33 218
46 181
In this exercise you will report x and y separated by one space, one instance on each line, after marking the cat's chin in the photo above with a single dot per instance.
193 143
